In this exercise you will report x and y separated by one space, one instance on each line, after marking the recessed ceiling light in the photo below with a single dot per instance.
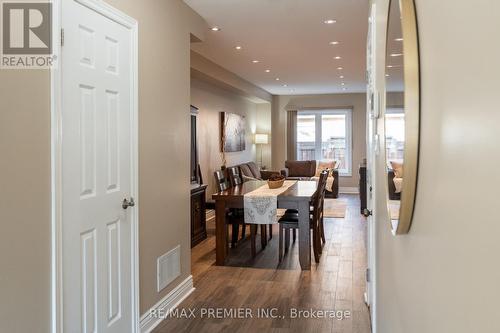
268 70
340 68
215 29
255 61
390 66
330 21
341 76
344 89
334 43
387 75
398 39
238 47
285 85
396 54
277 79
337 58
343 83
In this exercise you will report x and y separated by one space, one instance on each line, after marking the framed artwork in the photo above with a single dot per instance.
232 132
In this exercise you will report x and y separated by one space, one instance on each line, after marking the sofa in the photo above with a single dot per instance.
250 170
395 180
307 170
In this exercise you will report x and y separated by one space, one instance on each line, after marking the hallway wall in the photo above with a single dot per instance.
443 276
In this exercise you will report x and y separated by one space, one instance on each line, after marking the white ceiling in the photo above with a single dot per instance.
290 38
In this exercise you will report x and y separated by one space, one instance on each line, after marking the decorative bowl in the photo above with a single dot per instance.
276 183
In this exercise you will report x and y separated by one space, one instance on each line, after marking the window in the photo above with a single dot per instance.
325 135
395 134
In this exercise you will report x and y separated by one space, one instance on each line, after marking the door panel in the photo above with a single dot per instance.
97 173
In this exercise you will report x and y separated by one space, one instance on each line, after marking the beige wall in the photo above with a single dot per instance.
25 201
211 100
356 101
164 67
264 127
444 275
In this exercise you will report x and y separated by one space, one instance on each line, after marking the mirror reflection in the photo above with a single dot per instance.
395 111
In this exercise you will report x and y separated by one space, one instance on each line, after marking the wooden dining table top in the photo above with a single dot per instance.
299 191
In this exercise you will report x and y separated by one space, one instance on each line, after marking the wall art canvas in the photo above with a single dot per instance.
232 132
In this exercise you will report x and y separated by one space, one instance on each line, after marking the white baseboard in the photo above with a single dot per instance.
166 304
348 190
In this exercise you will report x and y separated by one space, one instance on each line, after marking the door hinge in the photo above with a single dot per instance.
62 37
368 279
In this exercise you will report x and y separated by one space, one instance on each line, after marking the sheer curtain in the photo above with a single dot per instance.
291 130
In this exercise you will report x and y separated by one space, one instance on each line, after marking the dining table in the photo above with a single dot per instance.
298 196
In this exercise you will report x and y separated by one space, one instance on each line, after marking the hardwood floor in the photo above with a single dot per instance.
336 283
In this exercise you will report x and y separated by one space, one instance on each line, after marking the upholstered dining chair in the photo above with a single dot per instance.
236 178
291 221
234 216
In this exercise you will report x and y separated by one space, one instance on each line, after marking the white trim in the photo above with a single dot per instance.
168 303
56 161
348 190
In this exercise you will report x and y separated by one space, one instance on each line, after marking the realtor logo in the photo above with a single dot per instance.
27 35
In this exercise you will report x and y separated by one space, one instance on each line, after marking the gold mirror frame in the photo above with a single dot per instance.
411 70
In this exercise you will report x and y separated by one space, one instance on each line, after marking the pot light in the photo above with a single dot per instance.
285 85
330 21
396 54
277 79
267 70
238 47
341 76
387 75
255 61
215 29
337 58
344 89
343 83
398 39
334 43
340 68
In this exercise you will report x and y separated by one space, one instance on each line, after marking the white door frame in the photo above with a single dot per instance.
56 159
372 114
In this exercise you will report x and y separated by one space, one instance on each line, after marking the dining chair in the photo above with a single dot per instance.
234 217
234 176
291 221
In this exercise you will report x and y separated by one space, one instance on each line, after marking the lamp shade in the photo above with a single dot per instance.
261 139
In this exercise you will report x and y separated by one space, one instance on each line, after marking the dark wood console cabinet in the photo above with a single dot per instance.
198 216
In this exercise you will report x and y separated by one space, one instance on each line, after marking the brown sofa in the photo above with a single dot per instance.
393 195
305 170
250 170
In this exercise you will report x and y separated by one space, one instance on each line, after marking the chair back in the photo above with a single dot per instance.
221 181
234 176
319 197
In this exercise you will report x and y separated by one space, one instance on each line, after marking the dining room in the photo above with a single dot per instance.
319 266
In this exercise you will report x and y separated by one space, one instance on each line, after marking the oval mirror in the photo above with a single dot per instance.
402 113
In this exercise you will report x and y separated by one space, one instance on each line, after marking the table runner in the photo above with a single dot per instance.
261 204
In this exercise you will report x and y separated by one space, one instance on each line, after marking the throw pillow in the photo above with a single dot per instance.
398 169
323 165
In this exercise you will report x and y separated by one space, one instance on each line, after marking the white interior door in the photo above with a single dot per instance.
98 171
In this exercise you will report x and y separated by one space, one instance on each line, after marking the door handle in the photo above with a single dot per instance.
367 212
126 203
